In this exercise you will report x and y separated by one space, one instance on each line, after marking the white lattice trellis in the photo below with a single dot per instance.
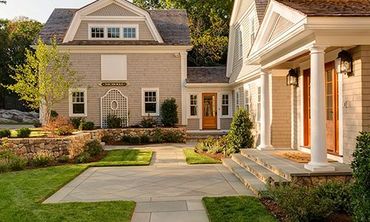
114 103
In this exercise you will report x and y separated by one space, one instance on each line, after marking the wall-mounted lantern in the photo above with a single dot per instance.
344 63
292 77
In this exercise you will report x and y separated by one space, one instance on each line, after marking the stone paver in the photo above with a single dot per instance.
168 190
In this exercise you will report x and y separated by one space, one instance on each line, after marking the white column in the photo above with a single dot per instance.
265 133
319 160
184 100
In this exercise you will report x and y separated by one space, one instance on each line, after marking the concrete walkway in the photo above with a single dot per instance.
168 190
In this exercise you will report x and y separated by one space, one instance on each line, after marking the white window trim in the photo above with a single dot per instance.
247 99
84 90
240 42
143 90
230 105
237 100
119 25
252 24
189 106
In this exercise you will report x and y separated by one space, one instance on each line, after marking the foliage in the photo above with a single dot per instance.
63 159
173 137
114 122
131 139
169 113
60 126
148 122
11 162
108 139
144 139
5 133
87 125
240 134
315 203
361 174
37 124
235 209
16 37
93 148
76 121
53 114
157 136
43 79
212 145
42 159
84 157
197 158
23 133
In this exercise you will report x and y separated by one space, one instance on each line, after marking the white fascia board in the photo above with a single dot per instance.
207 85
123 49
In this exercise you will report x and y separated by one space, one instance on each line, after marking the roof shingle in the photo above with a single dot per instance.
207 75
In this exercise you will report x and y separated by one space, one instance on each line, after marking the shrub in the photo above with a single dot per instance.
240 134
11 162
361 175
212 145
132 140
53 114
60 126
76 121
144 139
37 124
42 159
23 133
5 133
172 137
63 159
64 130
114 122
87 125
169 113
157 136
93 148
108 139
83 158
148 122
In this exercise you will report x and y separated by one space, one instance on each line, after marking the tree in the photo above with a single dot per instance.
43 79
16 36
209 26
169 113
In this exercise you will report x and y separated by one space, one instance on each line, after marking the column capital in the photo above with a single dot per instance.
265 71
315 49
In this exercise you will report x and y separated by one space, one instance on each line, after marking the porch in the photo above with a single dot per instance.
259 169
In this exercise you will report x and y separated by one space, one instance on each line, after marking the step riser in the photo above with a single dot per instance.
268 166
253 171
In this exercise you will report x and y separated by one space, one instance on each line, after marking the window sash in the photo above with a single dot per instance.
150 102
247 100
225 105
113 32
97 32
129 32
78 102
193 105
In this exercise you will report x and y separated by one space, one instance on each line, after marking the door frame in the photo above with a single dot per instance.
216 109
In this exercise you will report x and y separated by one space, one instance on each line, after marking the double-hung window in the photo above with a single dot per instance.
78 103
97 32
193 105
237 100
150 104
252 31
129 33
225 104
240 41
113 33
247 102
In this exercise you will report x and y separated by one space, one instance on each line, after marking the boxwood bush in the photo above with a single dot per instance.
5 133
23 133
87 125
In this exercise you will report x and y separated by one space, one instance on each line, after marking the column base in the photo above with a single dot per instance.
319 167
265 147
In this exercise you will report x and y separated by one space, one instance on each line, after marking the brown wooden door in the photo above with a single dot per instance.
331 108
209 111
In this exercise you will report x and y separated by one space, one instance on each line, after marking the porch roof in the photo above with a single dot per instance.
207 75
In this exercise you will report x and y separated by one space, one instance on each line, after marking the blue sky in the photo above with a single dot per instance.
37 9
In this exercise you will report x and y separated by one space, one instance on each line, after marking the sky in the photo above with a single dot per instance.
39 10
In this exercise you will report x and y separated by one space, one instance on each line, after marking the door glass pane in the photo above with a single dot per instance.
209 107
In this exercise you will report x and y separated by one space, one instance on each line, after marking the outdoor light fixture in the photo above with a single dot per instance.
344 63
292 78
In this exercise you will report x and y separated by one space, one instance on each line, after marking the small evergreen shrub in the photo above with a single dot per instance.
42 159
76 122
37 124
361 175
108 139
144 139
5 133
240 134
11 162
83 158
172 137
157 136
169 113
64 130
53 114
148 122
23 133
114 122
87 125
93 148
63 159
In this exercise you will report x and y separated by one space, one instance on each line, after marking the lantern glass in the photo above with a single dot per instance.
292 78
344 62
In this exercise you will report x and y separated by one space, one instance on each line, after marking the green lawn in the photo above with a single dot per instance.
35 132
236 209
21 194
196 158
129 157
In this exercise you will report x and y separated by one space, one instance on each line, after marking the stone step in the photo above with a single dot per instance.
248 179
270 165
262 173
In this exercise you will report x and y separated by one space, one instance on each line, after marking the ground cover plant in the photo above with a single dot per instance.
196 158
126 157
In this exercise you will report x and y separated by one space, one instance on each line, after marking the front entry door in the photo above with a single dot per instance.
209 111
331 109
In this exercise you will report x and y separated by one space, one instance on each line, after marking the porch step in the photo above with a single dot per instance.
262 173
247 178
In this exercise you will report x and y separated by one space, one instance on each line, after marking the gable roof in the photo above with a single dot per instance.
351 8
207 75
261 6
172 25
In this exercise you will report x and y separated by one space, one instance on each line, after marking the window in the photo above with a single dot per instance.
247 102
129 33
97 32
113 67
259 98
252 30
225 105
78 103
113 33
237 100
150 102
193 105
240 41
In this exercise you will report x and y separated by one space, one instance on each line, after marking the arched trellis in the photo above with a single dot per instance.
114 103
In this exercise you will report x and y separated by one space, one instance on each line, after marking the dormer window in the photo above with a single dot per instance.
113 33
129 32
97 32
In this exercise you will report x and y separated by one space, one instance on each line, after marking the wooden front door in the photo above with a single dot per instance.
331 109
209 111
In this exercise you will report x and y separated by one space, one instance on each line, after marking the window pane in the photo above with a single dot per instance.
129 33
97 32
113 32
78 108
225 110
150 108
193 110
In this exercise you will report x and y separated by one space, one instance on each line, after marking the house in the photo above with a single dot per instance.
302 69
128 60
